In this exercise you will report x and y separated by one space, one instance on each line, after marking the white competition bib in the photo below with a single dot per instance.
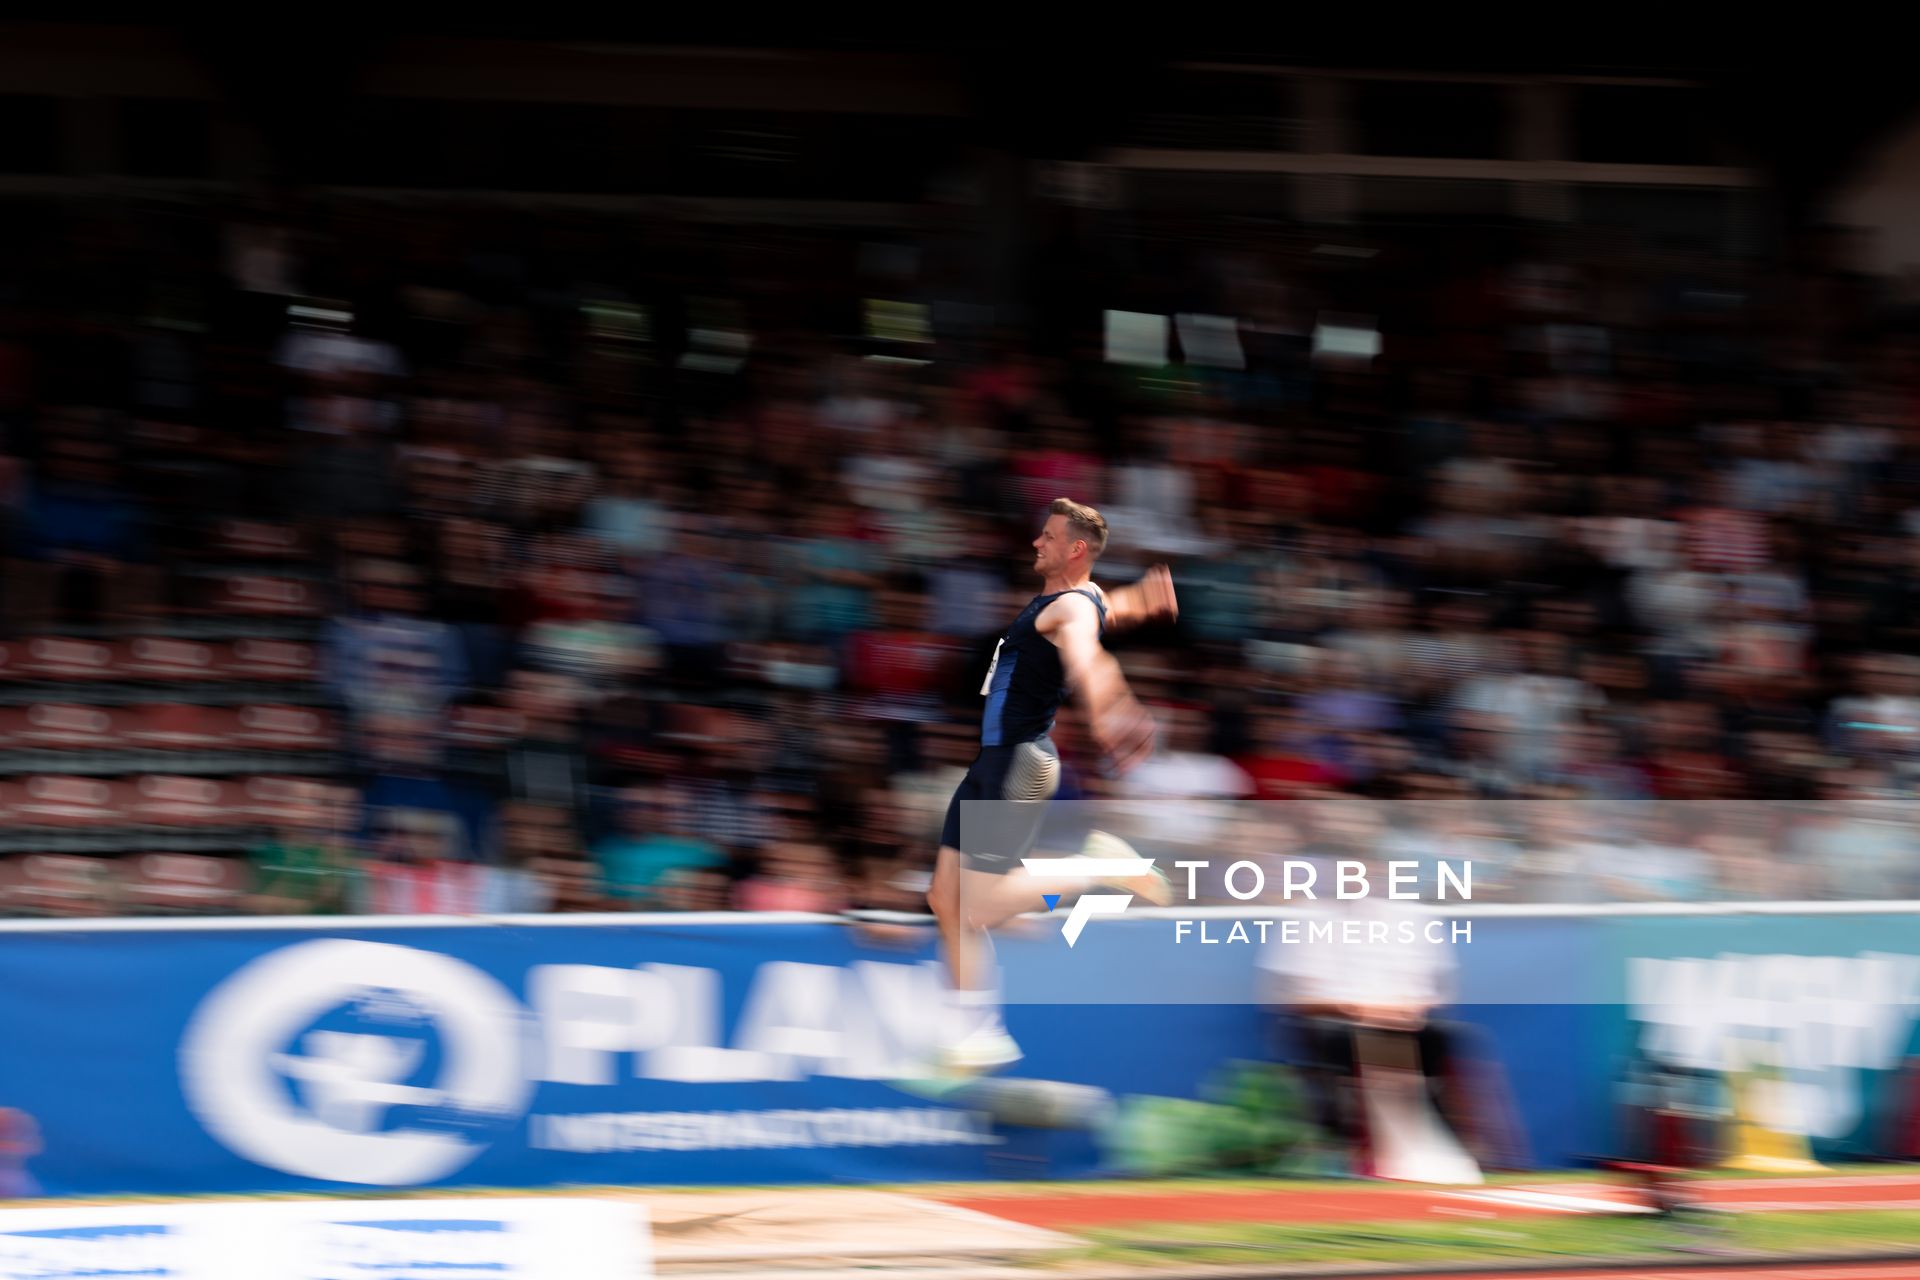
987 684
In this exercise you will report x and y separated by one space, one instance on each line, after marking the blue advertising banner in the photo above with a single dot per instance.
1530 997
498 1055
1825 1008
216 1058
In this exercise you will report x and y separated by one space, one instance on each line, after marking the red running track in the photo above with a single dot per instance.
1759 1271
1376 1202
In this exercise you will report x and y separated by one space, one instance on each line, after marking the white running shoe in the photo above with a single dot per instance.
1150 886
987 1048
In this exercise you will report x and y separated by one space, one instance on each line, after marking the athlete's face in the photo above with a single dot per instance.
1053 548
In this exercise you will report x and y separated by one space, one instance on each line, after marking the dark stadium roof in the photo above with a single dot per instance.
1788 103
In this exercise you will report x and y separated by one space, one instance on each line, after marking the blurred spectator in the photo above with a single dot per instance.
571 883
1529 698
921 795
309 865
516 883
1175 794
833 598
1861 840
387 656
1282 765
654 840
81 535
581 632
1745 869
1569 853
628 515
546 761
1589 761
1498 852
415 869
408 788
793 876
1657 862
898 664
19 1143
1557 543
967 584
1882 718
692 889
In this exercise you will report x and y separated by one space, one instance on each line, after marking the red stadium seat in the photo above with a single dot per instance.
259 595
280 728
64 726
222 727
52 658
47 884
181 883
270 801
277 660
251 539
69 803
12 659
163 800
12 720
162 658
179 726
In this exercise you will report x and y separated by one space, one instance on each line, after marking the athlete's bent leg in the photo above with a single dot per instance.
980 883
943 899
975 1038
989 900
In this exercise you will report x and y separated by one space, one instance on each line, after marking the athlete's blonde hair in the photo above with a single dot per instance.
1083 522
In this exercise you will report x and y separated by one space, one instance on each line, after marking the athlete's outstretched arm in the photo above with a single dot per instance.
1120 724
1149 600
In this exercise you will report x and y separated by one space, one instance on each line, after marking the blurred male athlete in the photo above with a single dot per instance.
1052 648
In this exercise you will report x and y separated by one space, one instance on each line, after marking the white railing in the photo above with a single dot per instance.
661 919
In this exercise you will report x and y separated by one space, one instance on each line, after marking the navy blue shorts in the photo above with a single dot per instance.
1018 780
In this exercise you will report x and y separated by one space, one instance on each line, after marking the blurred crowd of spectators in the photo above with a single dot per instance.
649 570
